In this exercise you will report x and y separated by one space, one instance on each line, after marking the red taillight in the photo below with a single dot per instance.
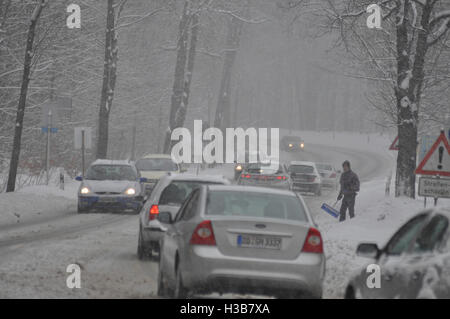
203 234
333 175
154 211
281 177
245 176
313 242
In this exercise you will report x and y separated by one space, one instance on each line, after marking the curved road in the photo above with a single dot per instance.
34 256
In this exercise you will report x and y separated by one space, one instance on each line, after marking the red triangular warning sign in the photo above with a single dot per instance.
394 145
437 160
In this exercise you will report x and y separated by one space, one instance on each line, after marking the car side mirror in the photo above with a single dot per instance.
79 178
165 217
143 180
368 250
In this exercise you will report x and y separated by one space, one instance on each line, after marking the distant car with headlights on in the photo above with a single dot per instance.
272 175
305 177
167 196
328 174
240 166
413 264
153 166
111 185
292 143
245 240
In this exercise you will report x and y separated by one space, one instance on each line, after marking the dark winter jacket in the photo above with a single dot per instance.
349 183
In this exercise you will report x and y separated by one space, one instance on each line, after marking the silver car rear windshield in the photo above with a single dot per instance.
252 204
301 169
177 192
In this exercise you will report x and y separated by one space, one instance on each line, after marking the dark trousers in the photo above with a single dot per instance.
347 202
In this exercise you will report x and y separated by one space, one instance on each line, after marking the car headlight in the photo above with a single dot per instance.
239 168
302 145
85 190
130 191
290 145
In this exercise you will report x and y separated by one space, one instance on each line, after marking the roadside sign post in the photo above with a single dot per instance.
47 162
436 163
49 121
61 179
82 153
83 141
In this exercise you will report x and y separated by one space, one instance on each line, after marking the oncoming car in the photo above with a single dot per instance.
167 196
153 166
292 143
110 185
234 239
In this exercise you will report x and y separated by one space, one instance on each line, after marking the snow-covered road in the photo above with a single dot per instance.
34 254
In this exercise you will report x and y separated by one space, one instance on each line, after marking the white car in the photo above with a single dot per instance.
329 175
305 177
153 166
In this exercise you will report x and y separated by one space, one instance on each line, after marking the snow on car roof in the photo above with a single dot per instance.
200 178
292 137
254 189
157 156
302 163
112 162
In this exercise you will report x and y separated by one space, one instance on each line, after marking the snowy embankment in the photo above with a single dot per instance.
33 203
377 218
105 244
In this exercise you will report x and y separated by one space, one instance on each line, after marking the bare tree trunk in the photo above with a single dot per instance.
4 7
108 83
23 97
180 115
178 85
222 119
408 99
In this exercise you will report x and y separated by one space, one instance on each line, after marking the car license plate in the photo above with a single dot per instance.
107 200
250 241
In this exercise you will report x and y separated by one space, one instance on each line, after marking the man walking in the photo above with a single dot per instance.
349 187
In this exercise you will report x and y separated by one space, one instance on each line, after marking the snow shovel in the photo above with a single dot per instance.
330 209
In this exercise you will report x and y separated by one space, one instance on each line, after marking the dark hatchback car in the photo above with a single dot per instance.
415 263
292 143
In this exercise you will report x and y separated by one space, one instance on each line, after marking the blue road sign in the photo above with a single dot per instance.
52 130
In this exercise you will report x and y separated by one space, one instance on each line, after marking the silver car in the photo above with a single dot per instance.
305 177
237 239
167 196
272 175
328 174
415 263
